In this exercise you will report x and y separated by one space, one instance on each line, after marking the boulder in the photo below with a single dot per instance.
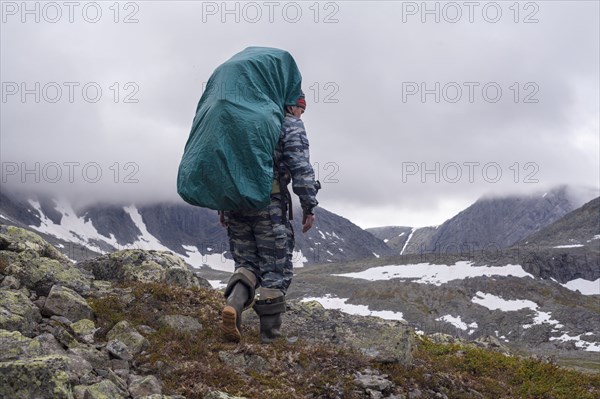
14 346
84 329
63 301
17 239
125 333
181 323
140 387
385 341
18 313
40 378
144 266
39 273
103 390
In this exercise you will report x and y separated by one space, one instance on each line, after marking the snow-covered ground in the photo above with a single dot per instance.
331 302
586 345
458 323
494 302
76 229
426 273
71 228
586 287
217 284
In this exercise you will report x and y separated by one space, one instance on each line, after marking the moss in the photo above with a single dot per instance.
460 368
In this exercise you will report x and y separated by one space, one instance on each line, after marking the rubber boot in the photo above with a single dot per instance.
239 295
232 313
269 311
270 328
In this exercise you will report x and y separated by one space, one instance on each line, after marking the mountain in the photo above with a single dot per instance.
191 232
567 250
579 228
489 223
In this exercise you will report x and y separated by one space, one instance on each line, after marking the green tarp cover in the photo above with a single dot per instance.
227 163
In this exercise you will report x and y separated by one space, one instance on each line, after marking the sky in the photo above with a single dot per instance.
415 109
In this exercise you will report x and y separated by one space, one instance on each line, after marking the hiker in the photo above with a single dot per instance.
262 240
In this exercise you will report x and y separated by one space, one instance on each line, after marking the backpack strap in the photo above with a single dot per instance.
283 181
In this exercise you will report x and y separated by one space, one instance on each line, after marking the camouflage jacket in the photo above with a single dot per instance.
292 156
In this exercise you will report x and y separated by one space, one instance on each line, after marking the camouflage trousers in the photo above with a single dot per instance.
262 240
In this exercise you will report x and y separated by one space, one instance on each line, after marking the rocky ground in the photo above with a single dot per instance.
140 324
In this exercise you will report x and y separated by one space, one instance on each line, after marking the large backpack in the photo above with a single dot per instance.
227 163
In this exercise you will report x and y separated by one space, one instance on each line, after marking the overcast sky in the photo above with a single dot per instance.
415 109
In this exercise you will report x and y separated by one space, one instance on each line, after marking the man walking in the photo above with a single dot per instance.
262 240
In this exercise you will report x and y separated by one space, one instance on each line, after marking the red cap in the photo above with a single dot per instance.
301 102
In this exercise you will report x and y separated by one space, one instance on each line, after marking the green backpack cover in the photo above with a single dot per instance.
227 163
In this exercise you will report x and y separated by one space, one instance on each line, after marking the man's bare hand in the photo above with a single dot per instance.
222 219
307 222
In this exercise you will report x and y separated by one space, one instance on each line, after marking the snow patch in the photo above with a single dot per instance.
569 246
71 227
298 259
215 261
6 218
412 231
586 345
375 255
494 302
586 287
330 302
458 323
426 273
217 284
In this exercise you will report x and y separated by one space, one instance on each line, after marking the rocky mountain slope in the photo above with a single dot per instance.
139 324
538 295
192 232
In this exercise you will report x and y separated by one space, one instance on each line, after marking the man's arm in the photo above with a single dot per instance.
297 159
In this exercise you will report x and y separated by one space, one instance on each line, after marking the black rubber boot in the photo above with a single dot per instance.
232 313
270 328
240 295
269 311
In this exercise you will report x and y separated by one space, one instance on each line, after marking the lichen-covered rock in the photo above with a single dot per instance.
243 362
119 350
77 367
17 239
144 386
97 358
104 390
49 345
40 378
63 301
39 273
384 341
144 266
84 329
125 333
371 380
15 346
18 313
181 323
11 283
